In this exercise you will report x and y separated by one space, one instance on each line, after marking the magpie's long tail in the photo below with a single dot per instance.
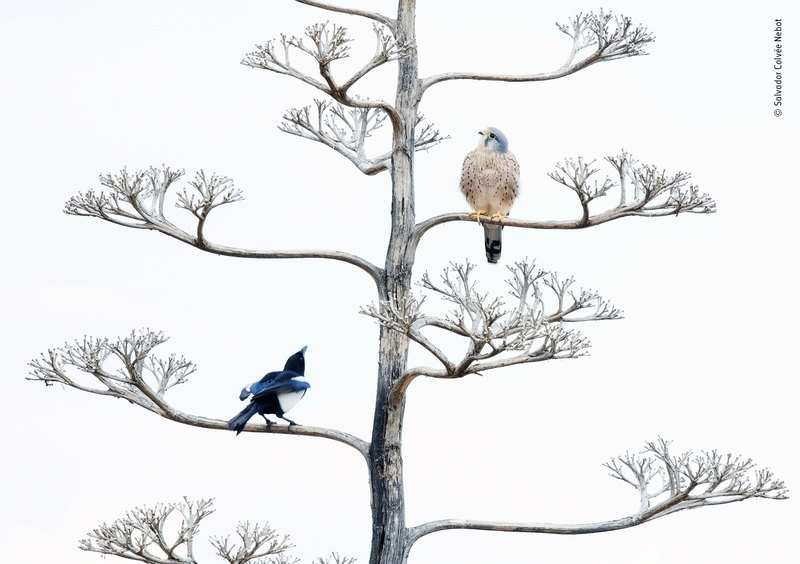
240 420
491 235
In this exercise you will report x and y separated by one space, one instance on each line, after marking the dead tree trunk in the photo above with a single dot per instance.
389 544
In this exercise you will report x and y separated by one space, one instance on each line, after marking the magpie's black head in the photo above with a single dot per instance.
297 362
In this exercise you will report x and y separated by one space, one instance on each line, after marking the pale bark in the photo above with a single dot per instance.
386 469
388 22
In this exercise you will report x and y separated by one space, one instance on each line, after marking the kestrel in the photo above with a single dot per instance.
490 182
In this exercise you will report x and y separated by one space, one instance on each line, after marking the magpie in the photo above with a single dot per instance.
276 393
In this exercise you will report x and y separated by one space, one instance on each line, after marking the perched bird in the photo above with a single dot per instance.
275 393
490 182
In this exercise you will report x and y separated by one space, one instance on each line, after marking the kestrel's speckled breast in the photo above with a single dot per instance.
490 181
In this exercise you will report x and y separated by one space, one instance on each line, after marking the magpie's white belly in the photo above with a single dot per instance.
288 401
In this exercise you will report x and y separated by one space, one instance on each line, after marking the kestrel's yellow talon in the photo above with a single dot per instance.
501 216
477 214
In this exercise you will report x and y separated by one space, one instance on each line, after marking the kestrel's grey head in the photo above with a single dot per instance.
494 139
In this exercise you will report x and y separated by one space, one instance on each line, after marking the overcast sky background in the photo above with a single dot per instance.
704 356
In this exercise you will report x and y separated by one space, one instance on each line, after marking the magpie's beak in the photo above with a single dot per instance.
303 350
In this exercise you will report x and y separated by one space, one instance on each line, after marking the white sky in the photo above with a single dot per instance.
704 355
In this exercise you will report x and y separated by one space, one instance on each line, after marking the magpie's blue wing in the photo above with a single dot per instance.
279 388
260 386
274 382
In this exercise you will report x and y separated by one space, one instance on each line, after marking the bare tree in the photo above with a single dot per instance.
531 324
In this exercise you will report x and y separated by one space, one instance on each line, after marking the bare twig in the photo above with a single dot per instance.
143 379
327 43
211 192
665 483
347 130
622 163
610 37
137 200
335 558
386 49
254 542
344 132
141 534
575 176
613 37
427 136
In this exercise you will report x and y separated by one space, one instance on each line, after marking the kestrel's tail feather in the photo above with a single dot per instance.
491 235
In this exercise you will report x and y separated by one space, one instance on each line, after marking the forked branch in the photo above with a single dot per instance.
665 484
142 534
137 200
209 193
165 534
128 369
529 328
346 130
692 480
655 194
595 38
325 44
576 177
254 543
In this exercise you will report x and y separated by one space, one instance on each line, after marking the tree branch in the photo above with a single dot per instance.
528 329
384 20
328 44
137 200
255 542
575 176
141 535
346 132
142 531
655 194
683 482
385 50
143 380
613 37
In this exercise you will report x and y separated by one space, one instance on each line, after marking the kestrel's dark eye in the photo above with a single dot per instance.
491 135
